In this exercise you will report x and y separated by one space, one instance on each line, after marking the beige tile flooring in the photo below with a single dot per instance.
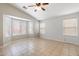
39 47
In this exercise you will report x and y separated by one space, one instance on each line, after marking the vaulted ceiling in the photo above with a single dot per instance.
53 9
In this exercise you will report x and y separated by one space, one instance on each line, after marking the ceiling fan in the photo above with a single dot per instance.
37 6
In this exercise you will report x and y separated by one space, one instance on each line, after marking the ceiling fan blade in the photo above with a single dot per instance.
31 5
35 10
45 3
24 7
43 9
38 4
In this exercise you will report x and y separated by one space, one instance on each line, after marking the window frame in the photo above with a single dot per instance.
70 28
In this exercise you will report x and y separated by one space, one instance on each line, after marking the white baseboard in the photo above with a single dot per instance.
59 39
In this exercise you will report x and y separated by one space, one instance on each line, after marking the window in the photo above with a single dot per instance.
16 27
37 27
42 28
23 27
7 27
30 27
70 27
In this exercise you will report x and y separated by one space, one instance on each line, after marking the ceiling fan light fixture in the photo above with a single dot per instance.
42 6
38 6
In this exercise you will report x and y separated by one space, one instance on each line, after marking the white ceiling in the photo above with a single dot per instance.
53 9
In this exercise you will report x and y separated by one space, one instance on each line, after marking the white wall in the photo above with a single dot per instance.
7 9
11 10
54 29
37 28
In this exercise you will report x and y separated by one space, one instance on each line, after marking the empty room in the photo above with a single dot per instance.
39 29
